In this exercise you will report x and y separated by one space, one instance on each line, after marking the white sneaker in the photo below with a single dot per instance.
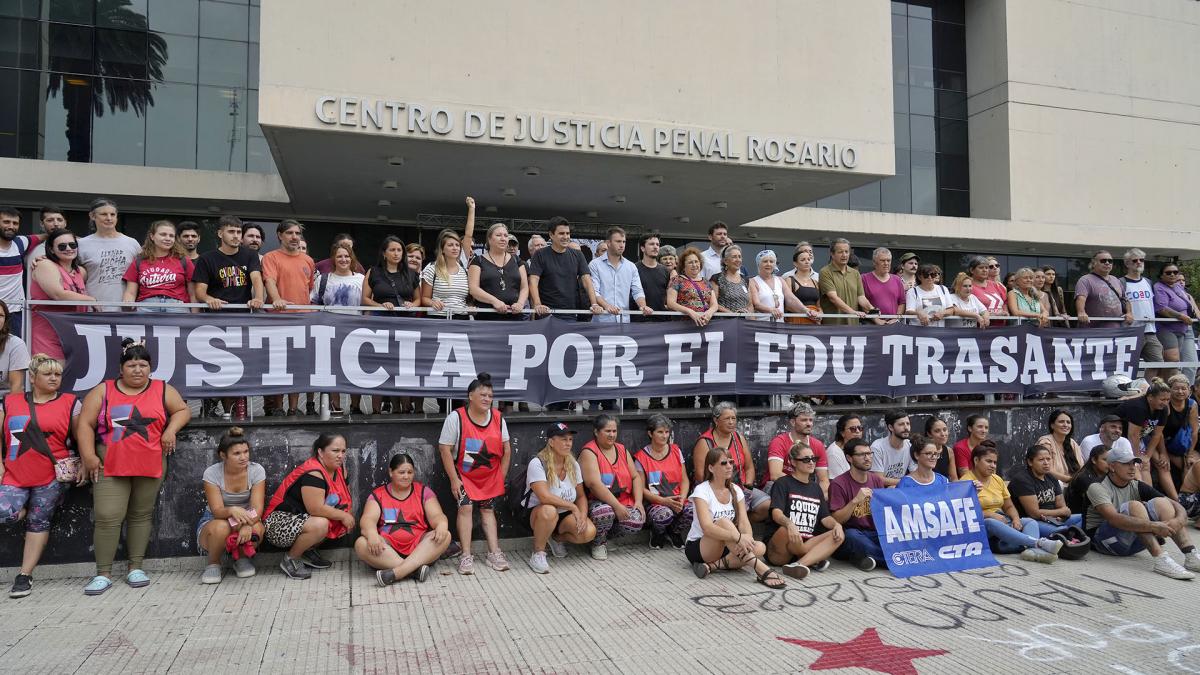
599 552
557 548
1050 545
1166 566
1191 561
1037 555
537 562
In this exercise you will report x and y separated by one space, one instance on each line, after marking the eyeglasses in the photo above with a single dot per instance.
932 455
807 460
1105 261
1136 260
857 428
1170 272
725 462
933 275
863 454
68 246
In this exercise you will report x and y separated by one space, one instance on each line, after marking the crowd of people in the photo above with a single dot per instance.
1131 486
495 282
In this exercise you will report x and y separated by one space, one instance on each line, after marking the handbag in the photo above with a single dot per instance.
1181 442
66 470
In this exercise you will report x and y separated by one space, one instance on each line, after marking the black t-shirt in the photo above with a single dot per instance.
227 276
654 284
1023 483
1177 419
1137 411
502 282
396 287
803 503
1076 494
293 502
943 463
559 277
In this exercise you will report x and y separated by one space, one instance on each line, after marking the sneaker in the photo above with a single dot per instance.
211 575
293 568
677 540
423 572
866 563
467 564
276 412
497 561
795 570
1166 566
1051 546
537 562
310 409
226 417
701 570
315 560
385 577
821 566
244 568
600 552
656 541
1191 561
22 586
293 413
557 548
1038 555
452 551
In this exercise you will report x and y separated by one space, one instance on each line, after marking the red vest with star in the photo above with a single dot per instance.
124 418
480 476
736 452
615 475
337 492
393 512
669 470
30 467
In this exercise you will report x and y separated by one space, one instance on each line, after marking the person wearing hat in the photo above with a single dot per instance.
1107 435
555 501
909 262
1125 515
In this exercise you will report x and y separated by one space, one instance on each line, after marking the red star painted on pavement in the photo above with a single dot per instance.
865 651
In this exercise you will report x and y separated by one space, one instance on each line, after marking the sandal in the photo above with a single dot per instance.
702 569
137 579
97 585
771 580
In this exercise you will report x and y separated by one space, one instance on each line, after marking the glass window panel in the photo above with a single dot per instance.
182 59
899 50
29 123
924 133
127 14
921 76
948 79
900 98
181 17
920 42
225 21
122 53
70 48
952 105
903 160
952 137
900 8
254 23
921 101
223 62
953 172
950 10
950 46
895 195
252 66
68 118
838 201
258 157
19 43
72 11
865 198
29 9
119 136
10 117
222 127
252 128
171 127
955 203
901 124
921 8
924 183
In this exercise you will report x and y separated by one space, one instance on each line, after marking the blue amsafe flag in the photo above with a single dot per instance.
928 530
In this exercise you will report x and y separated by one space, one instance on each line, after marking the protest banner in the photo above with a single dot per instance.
930 530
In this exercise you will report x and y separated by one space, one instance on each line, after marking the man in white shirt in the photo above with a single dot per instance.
106 255
718 239
1139 293
1109 436
891 460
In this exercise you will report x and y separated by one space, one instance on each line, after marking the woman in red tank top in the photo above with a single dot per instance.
723 434
126 429
614 487
37 427
403 528
660 466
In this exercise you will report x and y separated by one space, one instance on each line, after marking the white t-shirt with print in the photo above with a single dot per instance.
718 509
564 489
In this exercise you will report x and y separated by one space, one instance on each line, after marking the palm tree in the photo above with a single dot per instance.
126 68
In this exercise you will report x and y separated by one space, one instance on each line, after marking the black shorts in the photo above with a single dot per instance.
692 550
562 515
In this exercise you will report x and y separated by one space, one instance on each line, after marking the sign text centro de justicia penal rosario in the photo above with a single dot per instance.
535 129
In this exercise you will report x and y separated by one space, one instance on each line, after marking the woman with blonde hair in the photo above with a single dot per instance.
1025 301
555 499
969 311
161 272
444 282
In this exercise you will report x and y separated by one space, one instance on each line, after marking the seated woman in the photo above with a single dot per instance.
1039 495
1000 517
555 499
312 504
926 454
235 490
29 485
1065 455
798 506
721 523
403 529
723 434
938 431
660 467
614 487
1094 470
977 432
1189 491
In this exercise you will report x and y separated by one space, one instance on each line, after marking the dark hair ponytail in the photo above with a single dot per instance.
323 442
481 380
134 351
234 436
400 459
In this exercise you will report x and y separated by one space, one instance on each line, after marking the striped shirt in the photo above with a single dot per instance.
452 293
12 271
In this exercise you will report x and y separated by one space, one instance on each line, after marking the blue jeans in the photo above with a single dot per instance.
166 305
1111 540
1046 529
860 544
1005 538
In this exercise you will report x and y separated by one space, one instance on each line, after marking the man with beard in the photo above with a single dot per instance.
252 238
1139 296
189 237
52 218
891 460
1108 435
13 248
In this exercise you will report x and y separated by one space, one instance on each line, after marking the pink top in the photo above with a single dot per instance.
886 296
994 297
44 339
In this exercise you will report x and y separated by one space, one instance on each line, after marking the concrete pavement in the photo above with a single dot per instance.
641 611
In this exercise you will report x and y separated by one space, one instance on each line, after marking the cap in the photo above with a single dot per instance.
558 429
1123 455
909 256
512 239
1111 418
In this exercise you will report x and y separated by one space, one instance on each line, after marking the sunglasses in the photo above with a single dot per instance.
996 267
725 462
807 460
68 246
1105 261
1137 260
1170 272
857 428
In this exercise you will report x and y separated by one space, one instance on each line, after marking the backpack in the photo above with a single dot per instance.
1181 442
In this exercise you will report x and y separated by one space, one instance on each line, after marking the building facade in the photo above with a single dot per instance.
1038 130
